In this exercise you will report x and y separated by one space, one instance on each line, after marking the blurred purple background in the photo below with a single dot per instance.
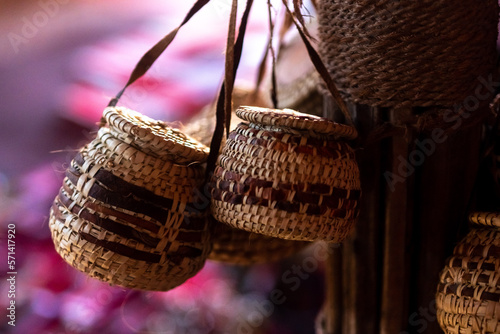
60 62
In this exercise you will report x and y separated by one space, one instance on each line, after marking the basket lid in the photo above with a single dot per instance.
485 218
288 119
155 137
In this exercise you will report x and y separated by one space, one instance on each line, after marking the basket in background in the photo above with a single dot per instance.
468 293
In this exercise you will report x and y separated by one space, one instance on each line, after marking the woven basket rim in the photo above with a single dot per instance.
485 218
131 123
296 120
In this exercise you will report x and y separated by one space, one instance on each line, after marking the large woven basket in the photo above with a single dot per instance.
123 213
389 53
289 175
468 294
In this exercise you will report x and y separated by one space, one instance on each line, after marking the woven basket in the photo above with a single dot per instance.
235 246
123 212
468 294
389 53
231 245
289 175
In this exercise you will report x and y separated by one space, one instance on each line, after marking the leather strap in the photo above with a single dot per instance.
320 66
150 57
223 115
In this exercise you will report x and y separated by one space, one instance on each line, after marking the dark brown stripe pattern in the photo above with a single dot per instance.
118 185
462 290
468 277
470 264
189 230
316 188
65 198
121 200
128 232
122 249
111 246
341 203
110 191
294 143
312 209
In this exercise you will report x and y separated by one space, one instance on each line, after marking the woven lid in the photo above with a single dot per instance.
293 121
485 218
154 137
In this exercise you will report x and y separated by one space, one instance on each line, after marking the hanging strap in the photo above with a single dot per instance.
320 67
274 93
150 57
223 109
270 49
229 70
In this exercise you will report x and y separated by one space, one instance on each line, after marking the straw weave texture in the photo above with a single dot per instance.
279 176
153 137
394 53
122 214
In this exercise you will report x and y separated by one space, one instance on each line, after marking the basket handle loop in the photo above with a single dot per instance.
224 101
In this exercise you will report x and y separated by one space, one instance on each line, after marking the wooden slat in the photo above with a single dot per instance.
398 216
361 253
444 185
333 299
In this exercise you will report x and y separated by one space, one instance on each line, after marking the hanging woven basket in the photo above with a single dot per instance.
231 245
289 175
468 294
235 246
389 53
122 214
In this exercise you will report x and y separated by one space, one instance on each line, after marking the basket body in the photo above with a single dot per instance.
468 295
287 175
389 52
122 214
235 246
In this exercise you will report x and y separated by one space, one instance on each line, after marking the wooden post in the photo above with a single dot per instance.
398 215
384 276
417 180
356 271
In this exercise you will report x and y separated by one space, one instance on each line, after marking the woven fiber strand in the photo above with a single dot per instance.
294 122
153 137
394 53
240 247
162 177
123 215
468 294
284 175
